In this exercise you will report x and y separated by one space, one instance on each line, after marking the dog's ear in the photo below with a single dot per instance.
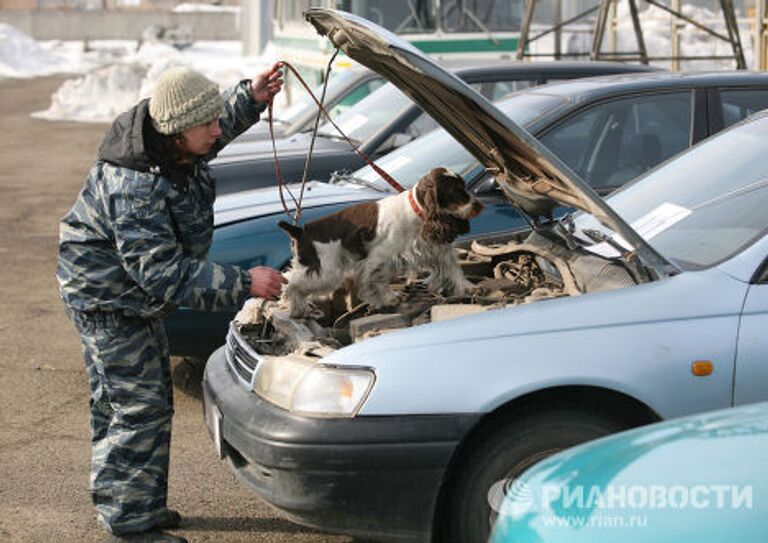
426 192
443 228
292 230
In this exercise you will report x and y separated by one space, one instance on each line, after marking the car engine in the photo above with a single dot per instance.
505 272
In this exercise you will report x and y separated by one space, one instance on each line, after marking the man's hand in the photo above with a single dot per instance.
266 282
267 84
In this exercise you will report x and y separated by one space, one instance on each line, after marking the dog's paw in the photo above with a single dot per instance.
473 290
392 298
307 310
314 312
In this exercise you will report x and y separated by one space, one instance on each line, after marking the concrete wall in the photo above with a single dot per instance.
18 4
118 25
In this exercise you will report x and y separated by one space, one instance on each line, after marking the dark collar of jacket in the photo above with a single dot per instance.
132 142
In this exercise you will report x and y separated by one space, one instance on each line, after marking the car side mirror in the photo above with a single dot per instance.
488 187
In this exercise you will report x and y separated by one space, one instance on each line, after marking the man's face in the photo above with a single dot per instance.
199 139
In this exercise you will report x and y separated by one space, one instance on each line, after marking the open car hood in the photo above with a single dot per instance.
530 175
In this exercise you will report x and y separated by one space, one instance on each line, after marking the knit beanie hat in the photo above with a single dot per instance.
183 98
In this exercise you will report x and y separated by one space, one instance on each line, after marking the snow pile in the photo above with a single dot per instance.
98 96
21 56
104 93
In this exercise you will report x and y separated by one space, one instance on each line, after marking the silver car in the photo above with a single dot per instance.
397 424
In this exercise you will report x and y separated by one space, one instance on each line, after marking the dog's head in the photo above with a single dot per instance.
447 206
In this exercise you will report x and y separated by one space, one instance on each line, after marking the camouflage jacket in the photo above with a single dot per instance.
136 242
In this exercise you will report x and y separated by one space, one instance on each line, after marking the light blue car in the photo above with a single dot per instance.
398 423
700 478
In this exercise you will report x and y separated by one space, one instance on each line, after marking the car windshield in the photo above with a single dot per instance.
704 206
336 84
438 148
369 115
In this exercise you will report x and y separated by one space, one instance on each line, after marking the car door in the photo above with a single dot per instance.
608 143
728 106
751 382
613 141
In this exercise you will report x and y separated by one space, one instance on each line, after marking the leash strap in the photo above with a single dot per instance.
278 172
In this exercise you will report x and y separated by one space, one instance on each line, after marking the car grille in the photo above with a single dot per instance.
241 357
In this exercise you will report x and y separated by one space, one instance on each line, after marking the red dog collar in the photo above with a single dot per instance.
414 204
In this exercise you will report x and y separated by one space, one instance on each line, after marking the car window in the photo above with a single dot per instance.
337 84
438 148
739 104
421 125
612 142
707 204
494 90
408 163
354 97
370 114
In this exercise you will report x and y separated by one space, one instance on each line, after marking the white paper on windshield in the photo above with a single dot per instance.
648 226
353 124
388 166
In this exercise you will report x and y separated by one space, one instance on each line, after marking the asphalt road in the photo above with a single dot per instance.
44 419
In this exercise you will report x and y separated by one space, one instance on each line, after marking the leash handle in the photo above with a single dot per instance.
384 175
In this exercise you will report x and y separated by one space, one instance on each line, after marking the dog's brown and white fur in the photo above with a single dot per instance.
368 243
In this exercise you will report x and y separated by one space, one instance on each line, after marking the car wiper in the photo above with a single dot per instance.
596 236
629 257
344 177
566 229
329 136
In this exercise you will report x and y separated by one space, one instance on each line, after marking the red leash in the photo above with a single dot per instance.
278 172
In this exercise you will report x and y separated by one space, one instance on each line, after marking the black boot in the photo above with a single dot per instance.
170 520
150 536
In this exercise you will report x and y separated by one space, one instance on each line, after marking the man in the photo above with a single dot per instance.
132 248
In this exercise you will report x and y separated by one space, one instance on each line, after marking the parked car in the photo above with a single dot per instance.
345 88
700 478
396 424
607 129
382 121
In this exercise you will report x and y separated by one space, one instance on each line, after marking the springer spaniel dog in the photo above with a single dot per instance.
368 243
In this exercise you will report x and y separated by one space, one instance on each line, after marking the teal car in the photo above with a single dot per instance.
701 478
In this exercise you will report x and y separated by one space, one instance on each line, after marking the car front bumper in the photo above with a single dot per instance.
365 476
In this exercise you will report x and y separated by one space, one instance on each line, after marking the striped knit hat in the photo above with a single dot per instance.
183 98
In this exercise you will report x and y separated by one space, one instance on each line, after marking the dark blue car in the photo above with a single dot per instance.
608 130
382 121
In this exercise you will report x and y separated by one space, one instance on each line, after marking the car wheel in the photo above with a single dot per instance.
503 452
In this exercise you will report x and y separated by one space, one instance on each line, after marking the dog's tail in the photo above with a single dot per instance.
292 230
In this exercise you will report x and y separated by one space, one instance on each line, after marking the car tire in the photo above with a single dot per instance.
502 452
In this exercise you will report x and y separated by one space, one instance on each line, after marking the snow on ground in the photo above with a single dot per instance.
22 57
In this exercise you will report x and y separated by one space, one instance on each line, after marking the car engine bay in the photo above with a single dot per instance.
506 272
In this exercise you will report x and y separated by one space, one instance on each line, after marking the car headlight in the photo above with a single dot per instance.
303 386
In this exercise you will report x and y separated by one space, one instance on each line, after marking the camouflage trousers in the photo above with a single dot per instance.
131 408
